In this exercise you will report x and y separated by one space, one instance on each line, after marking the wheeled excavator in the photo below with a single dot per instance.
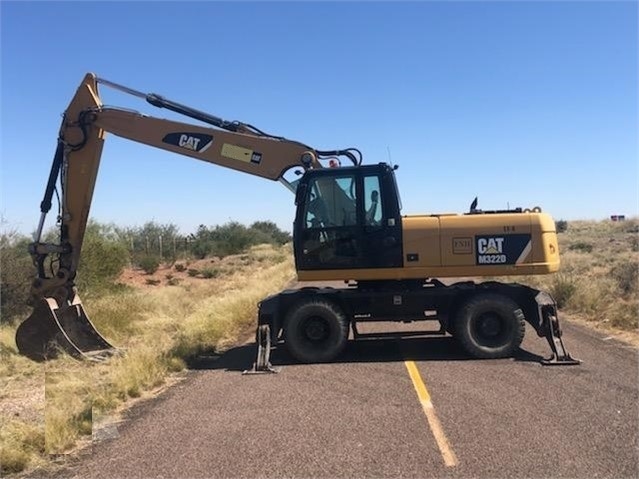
348 226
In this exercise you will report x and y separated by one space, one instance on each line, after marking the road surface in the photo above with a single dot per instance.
415 408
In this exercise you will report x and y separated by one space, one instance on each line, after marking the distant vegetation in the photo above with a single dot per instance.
108 249
599 275
16 273
561 226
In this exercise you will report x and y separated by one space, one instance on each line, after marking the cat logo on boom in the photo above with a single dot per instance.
189 141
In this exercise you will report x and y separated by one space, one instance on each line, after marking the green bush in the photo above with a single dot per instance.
193 272
102 259
233 238
626 276
179 267
562 288
210 273
581 246
271 230
561 226
149 263
16 273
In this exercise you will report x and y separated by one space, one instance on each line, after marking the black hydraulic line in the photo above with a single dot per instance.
161 102
233 126
45 206
347 153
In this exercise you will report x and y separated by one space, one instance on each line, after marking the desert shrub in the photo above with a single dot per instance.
173 281
581 246
179 267
102 259
631 226
153 238
16 274
271 230
201 247
561 226
149 263
210 273
192 272
233 238
591 298
21 442
626 276
562 288
623 315
152 282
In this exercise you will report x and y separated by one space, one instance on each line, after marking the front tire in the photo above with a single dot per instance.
490 326
316 331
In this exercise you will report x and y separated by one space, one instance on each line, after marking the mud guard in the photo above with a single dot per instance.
52 328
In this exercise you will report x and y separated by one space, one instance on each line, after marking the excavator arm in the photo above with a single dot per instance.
58 320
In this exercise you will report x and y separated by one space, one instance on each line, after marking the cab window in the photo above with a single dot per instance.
373 213
331 201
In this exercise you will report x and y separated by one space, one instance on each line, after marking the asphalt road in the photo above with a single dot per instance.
362 416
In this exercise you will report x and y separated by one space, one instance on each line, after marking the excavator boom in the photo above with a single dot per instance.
58 319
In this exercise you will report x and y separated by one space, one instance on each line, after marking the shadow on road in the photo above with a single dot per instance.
362 351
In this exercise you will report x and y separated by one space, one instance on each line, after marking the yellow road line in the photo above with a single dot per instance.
433 421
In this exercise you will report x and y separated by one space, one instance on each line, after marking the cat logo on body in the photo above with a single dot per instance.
503 249
189 141
490 250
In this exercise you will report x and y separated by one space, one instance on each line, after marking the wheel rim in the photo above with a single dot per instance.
490 329
315 329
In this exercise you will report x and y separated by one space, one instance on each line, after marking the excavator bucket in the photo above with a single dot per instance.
52 328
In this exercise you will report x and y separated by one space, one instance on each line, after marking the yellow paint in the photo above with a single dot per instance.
235 152
450 459
420 387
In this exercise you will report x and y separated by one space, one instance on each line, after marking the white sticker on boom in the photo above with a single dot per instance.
235 152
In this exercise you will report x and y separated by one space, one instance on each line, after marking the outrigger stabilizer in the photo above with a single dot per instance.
262 364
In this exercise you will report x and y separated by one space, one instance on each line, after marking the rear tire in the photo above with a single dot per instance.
315 331
490 326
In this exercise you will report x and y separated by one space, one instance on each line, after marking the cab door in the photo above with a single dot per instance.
381 223
348 219
328 235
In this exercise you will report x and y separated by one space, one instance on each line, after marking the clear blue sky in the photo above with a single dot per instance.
518 103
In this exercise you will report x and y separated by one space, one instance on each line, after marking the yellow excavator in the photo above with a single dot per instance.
348 226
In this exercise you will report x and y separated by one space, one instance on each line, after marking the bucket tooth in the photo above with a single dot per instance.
52 328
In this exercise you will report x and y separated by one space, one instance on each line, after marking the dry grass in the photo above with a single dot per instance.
598 280
159 328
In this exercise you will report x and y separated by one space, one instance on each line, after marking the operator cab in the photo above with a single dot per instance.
348 218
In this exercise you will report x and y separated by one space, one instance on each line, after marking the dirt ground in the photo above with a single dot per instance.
182 271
